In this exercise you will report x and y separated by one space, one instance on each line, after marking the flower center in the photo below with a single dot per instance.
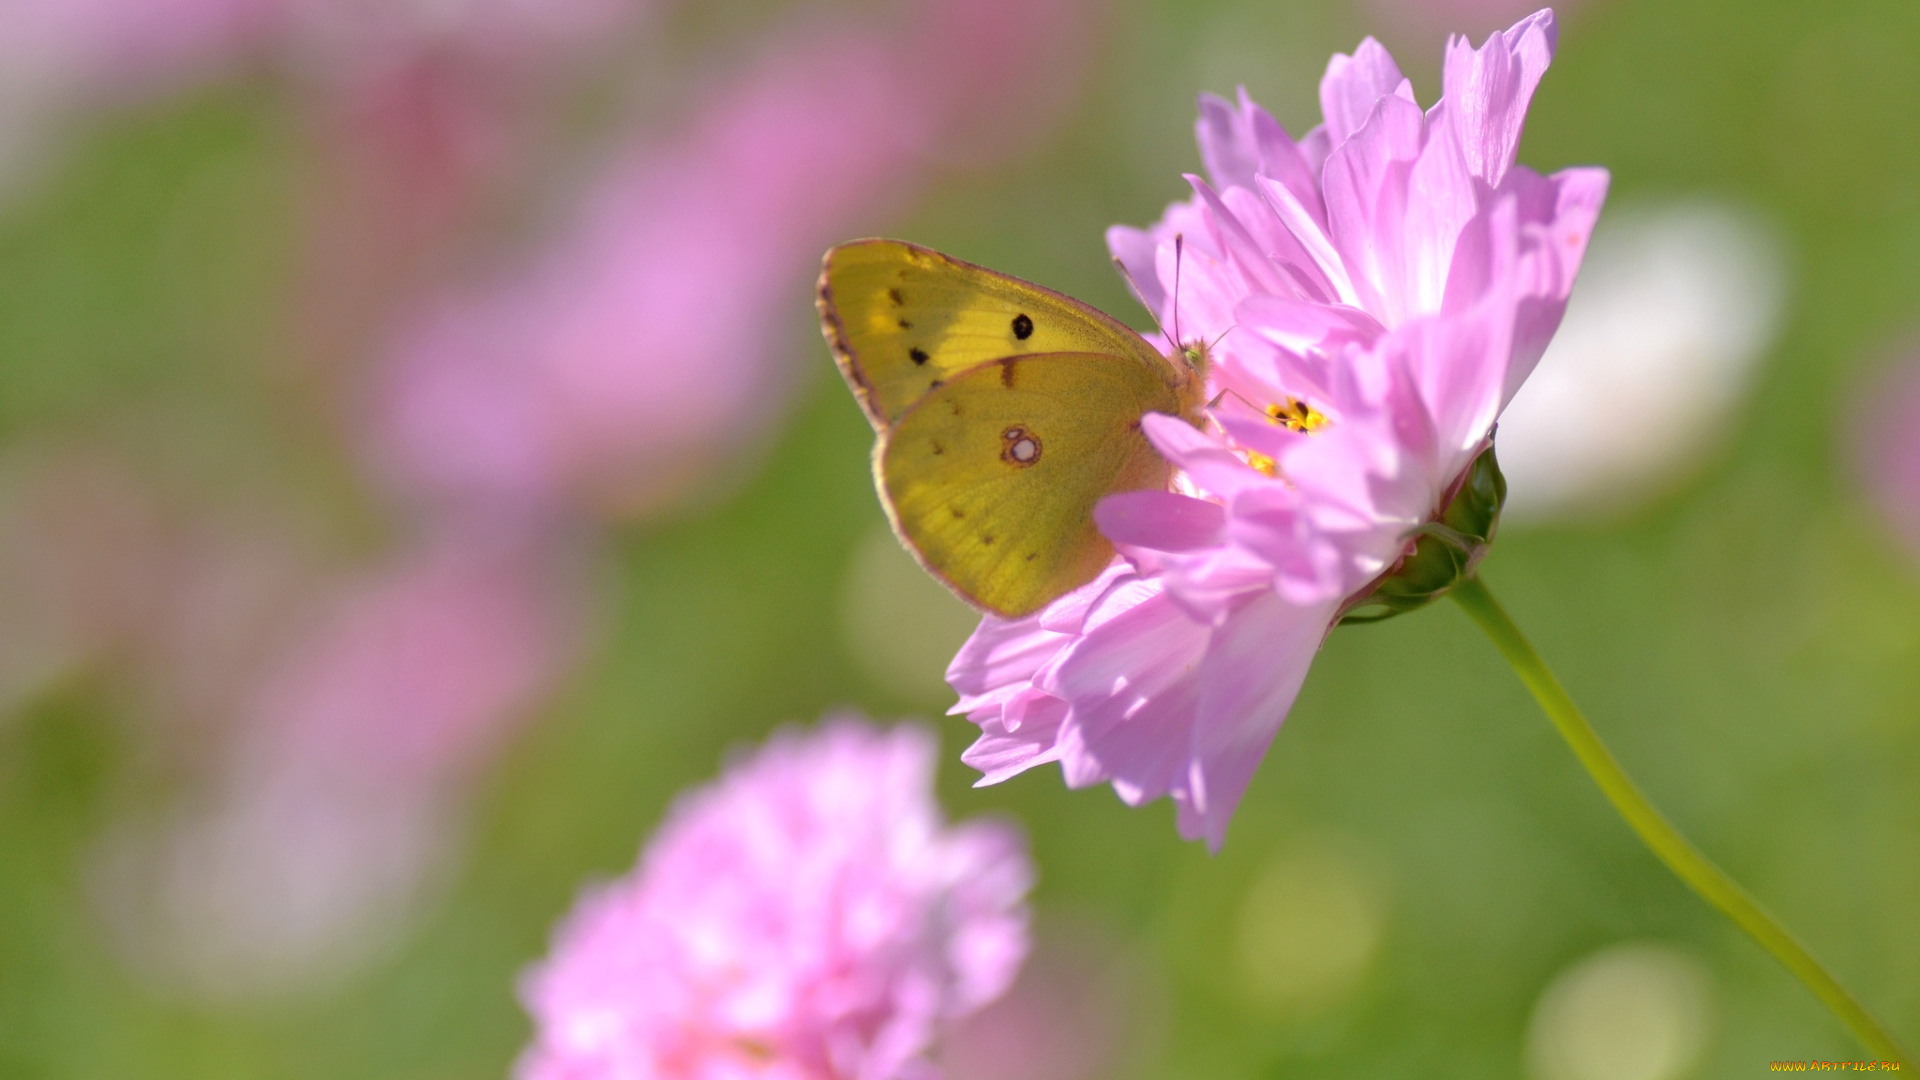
1296 415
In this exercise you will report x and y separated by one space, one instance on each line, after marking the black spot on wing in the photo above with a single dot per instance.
894 295
1022 326
986 540
919 355
905 325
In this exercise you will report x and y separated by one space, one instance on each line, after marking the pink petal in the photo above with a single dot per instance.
1442 197
1352 86
1299 327
1560 247
1242 143
1205 461
1132 688
1366 190
1252 672
1309 232
1000 657
1160 520
1137 252
1248 255
1487 91
1000 753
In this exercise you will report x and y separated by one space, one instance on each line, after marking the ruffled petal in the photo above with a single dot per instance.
1308 232
1487 91
1557 245
1131 686
1000 754
1002 656
1241 143
1353 84
1366 191
1252 672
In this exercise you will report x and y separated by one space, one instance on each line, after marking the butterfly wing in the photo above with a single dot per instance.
902 319
991 477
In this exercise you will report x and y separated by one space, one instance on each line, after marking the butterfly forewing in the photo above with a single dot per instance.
903 319
992 476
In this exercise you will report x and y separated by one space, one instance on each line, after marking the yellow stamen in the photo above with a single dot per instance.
1297 415
1263 463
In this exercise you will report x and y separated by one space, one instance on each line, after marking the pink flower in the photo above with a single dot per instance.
1378 290
806 917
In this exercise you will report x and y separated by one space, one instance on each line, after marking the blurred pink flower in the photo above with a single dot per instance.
338 802
1889 450
1378 291
124 45
59 58
337 39
807 916
650 340
137 45
645 341
414 674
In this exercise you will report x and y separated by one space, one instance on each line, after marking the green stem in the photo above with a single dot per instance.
1711 882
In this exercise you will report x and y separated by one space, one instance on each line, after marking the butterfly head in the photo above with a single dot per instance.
1190 364
1197 355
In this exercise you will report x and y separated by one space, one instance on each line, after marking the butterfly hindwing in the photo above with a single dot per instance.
991 477
903 319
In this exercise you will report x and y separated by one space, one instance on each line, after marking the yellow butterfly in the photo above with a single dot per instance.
1004 412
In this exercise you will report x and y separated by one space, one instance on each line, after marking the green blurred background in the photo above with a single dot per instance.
1749 640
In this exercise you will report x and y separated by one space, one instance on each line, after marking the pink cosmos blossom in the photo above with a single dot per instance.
1395 273
808 916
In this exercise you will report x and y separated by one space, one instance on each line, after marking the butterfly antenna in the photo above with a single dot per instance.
1229 391
1142 297
1179 250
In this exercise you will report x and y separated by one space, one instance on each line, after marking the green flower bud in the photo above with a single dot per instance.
1446 550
